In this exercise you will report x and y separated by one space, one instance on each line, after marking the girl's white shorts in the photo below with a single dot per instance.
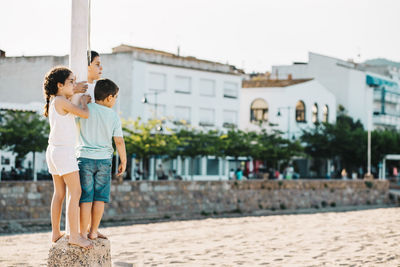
61 160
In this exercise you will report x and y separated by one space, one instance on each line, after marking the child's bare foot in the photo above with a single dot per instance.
95 235
57 236
100 235
81 242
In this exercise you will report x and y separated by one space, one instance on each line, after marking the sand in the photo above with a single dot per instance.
356 238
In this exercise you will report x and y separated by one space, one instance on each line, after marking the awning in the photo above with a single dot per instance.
375 81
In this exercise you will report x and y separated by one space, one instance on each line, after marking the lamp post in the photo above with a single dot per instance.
288 108
369 122
159 128
145 101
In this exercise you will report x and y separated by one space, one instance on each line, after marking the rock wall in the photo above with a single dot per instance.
30 201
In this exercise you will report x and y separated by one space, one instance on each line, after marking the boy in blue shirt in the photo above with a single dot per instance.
94 153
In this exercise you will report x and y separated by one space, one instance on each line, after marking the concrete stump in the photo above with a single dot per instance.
62 254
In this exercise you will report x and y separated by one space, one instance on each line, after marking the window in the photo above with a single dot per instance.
5 161
206 117
182 114
315 113
212 166
195 166
325 114
183 84
230 90
230 118
207 87
259 111
300 112
157 81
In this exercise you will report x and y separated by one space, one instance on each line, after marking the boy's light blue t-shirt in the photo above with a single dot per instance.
96 132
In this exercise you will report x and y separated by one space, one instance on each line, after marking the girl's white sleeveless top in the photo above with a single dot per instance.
62 128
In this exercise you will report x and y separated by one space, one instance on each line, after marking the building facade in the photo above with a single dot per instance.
368 93
202 93
286 105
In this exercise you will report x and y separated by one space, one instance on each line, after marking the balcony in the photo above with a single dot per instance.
389 120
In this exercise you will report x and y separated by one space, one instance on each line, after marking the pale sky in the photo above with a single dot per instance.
251 34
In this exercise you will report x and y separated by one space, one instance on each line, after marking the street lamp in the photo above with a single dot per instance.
288 108
145 101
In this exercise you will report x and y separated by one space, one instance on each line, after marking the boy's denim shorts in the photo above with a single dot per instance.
95 176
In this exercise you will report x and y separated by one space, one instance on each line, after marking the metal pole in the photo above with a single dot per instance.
384 169
369 151
369 137
78 54
156 102
288 109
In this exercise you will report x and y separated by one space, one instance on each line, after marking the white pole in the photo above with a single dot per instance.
369 117
369 151
79 41
288 118
384 169
78 54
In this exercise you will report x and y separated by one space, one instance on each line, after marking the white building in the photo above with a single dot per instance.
367 93
203 93
291 105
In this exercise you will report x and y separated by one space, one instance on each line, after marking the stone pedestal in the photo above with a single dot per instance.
62 254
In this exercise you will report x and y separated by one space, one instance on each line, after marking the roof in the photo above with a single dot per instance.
33 107
166 58
130 48
257 83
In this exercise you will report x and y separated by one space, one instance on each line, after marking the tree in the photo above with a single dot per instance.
345 139
238 143
23 132
384 142
144 138
272 147
194 143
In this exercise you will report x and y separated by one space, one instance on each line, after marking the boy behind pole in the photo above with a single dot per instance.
94 153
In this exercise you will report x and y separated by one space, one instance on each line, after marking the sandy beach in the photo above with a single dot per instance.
356 238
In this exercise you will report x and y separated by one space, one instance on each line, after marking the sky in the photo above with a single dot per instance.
250 34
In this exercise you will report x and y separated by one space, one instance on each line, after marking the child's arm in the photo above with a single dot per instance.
68 107
120 144
80 87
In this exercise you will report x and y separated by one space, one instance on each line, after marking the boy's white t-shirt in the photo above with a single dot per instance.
90 90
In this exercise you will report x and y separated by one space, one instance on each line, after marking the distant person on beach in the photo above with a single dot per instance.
3 173
94 152
344 174
232 175
239 174
58 88
160 173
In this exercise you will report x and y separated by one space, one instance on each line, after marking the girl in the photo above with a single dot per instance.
58 87
94 72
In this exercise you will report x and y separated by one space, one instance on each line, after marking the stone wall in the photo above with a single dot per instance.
30 201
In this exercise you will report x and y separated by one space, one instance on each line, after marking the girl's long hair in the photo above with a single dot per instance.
50 85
